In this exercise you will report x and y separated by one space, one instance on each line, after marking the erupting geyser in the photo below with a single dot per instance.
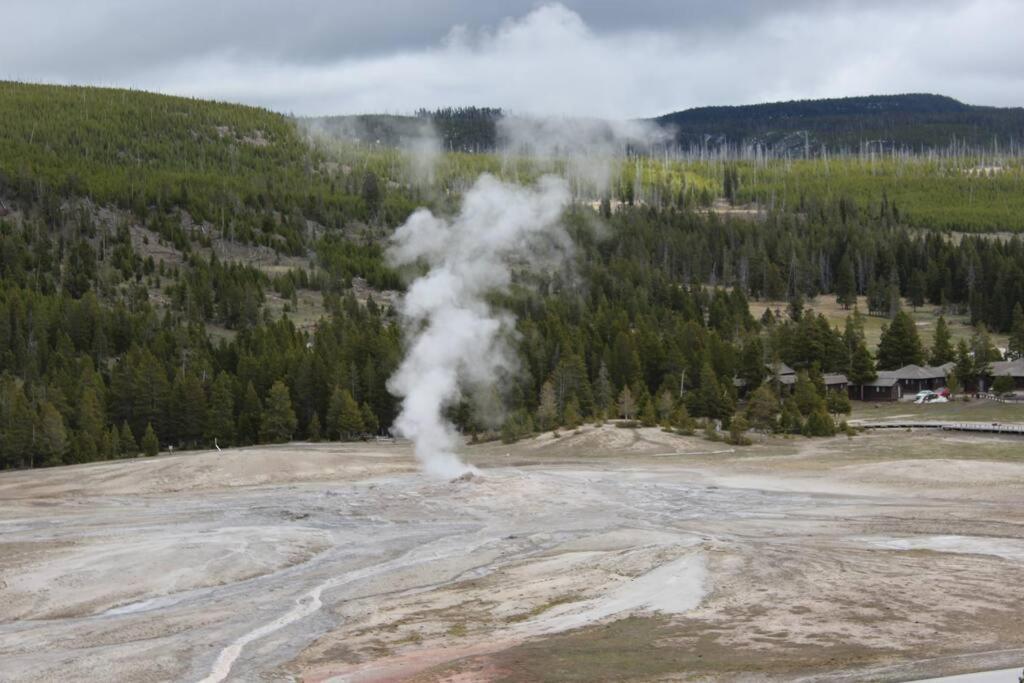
457 341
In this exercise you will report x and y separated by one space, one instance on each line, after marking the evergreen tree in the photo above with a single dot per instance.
838 403
708 400
370 424
188 420
220 418
846 285
313 430
763 408
916 289
150 443
806 394
983 352
571 418
603 392
1015 347
112 443
1002 385
790 420
819 423
16 423
681 420
752 368
900 344
649 417
150 394
627 406
91 433
250 411
738 427
129 447
53 437
966 371
279 422
942 345
547 408
344 418
665 406
862 367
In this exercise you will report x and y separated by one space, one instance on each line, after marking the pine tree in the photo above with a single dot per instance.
648 416
278 422
790 420
603 392
188 419
16 422
915 289
738 427
983 352
250 412
91 434
751 367
129 447
571 418
150 393
547 409
862 367
53 437
708 400
838 403
220 417
763 408
1015 347
681 420
370 422
1002 385
313 429
150 443
344 418
666 404
626 404
900 344
806 394
819 423
966 371
112 443
846 286
942 345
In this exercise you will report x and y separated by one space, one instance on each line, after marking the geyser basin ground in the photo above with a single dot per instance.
606 554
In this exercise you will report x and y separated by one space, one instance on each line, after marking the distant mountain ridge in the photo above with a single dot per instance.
915 121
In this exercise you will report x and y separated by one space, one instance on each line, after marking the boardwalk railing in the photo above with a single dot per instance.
986 427
1010 398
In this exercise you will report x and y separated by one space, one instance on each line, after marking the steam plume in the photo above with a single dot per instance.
458 342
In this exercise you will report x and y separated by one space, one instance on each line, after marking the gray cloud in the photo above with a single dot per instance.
580 57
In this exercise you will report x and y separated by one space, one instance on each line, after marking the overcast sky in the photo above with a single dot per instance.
609 58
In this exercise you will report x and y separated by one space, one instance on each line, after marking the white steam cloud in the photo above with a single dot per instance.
589 148
458 341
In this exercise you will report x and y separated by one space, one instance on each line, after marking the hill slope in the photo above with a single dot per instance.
915 121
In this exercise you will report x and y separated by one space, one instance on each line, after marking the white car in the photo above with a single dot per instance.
925 396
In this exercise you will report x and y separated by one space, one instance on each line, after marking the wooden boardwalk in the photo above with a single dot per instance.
986 427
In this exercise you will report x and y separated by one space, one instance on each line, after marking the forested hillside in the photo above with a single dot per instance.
176 272
918 122
803 128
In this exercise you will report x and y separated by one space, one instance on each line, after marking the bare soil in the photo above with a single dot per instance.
603 554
